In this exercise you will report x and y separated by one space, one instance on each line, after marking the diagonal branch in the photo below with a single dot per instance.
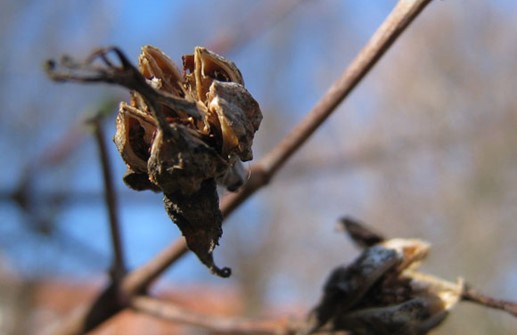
262 172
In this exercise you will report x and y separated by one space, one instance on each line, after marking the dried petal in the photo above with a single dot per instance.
204 67
154 64
135 131
346 286
361 235
433 299
239 116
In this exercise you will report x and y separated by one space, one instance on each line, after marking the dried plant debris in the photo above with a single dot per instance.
382 292
181 132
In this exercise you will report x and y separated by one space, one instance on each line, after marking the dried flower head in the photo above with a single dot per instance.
184 153
181 132
223 132
382 292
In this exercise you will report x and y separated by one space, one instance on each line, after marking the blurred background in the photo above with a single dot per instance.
426 147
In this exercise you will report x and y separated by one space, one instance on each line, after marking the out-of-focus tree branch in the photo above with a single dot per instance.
220 324
118 267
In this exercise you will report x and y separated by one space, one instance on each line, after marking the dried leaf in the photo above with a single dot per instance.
189 212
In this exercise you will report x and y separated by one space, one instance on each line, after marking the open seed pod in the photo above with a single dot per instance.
382 292
184 153
230 119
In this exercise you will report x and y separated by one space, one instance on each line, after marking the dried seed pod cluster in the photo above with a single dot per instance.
382 292
184 153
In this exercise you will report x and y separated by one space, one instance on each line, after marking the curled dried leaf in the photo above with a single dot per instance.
189 212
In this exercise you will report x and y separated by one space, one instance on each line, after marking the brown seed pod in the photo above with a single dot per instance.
183 155
382 292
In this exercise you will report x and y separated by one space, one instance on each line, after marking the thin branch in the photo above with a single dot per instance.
220 324
118 267
261 173
475 297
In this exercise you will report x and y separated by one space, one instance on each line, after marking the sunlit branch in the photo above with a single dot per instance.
398 20
475 297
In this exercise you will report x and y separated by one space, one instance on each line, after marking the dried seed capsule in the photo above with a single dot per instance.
180 133
168 148
382 293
